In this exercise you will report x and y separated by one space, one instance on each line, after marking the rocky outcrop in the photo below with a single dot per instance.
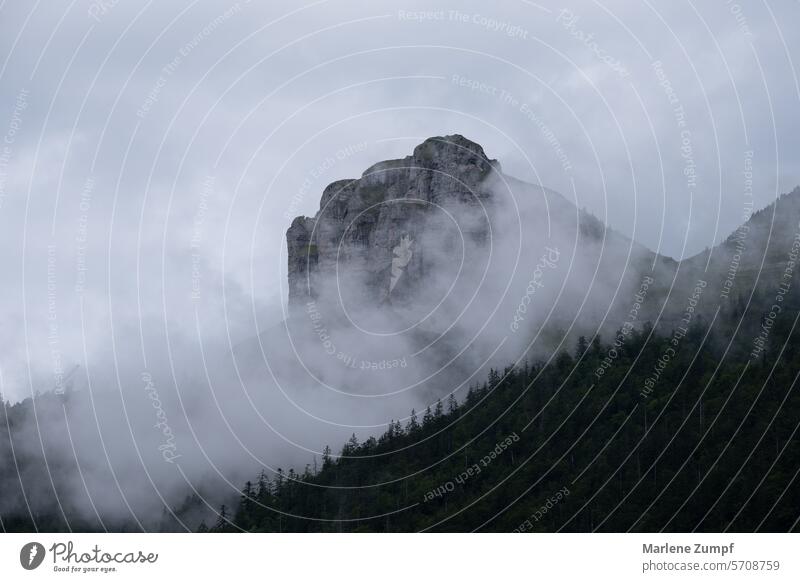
390 236
368 232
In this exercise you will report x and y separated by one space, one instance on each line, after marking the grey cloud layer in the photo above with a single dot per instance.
116 117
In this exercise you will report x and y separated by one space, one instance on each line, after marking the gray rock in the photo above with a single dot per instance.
352 238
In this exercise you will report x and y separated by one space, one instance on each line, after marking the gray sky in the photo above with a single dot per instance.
152 155
178 139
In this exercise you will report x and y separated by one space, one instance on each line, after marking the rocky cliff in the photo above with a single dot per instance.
438 225
373 230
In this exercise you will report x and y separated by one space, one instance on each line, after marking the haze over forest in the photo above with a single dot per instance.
235 235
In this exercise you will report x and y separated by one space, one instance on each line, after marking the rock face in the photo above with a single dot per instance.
395 237
372 235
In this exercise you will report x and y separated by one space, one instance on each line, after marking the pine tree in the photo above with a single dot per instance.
223 523
245 511
597 345
452 404
470 395
351 446
247 493
413 425
279 482
581 347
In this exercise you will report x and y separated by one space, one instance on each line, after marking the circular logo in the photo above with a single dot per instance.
31 555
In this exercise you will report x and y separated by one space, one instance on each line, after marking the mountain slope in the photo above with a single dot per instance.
549 447
448 202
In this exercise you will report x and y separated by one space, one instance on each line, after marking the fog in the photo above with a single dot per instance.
154 156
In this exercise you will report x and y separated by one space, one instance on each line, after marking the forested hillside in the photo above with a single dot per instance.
704 440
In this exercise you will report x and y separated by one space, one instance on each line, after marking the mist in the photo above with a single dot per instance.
154 158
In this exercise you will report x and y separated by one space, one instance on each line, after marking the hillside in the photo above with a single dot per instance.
713 446
636 392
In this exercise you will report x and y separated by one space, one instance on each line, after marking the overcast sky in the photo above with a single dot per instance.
155 150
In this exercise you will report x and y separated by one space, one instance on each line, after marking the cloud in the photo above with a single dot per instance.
132 111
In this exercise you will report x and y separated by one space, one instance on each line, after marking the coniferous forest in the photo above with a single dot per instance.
397 268
710 445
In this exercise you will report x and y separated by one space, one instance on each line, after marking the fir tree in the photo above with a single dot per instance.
413 425
452 404
438 411
427 418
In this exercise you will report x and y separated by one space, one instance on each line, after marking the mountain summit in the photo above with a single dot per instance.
374 227
444 231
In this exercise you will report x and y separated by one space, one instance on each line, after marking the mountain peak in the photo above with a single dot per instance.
362 224
448 146
452 154
451 150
